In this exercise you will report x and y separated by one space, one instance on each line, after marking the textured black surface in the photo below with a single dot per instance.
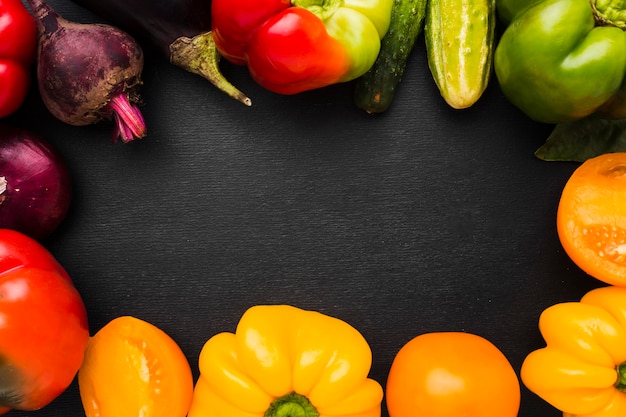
421 219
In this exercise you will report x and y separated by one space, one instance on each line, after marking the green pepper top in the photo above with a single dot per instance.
610 12
562 60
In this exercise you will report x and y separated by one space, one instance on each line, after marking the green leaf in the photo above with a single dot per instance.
582 139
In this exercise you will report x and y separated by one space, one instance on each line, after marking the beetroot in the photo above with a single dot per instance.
88 73
180 30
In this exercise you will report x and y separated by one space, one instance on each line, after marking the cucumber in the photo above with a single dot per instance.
459 38
374 90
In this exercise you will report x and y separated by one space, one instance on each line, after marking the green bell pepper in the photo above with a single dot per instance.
563 60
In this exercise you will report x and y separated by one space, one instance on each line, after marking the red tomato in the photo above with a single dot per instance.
452 374
43 324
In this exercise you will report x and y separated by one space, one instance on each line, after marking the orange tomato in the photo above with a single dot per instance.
591 217
133 368
452 374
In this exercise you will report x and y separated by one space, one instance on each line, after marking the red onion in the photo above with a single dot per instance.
35 183
88 72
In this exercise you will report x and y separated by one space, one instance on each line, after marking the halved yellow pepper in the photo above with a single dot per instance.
284 361
582 369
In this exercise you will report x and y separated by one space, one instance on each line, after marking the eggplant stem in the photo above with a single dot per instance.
128 118
200 56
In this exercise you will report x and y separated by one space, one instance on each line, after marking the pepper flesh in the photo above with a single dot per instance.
582 369
290 47
132 368
562 60
18 40
285 361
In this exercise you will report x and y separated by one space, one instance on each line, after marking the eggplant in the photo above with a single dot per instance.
180 30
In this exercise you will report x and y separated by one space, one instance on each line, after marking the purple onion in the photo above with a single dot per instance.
35 183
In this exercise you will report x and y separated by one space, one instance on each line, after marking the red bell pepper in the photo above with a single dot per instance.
18 41
298 45
43 325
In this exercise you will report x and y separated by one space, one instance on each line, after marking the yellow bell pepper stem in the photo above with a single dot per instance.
292 405
621 373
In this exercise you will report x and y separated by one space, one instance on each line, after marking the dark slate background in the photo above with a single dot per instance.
417 220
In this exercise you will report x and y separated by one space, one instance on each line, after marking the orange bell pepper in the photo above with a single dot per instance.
132 368
284 361
582 369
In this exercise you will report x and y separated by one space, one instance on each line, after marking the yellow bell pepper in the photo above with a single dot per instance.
582 369
284 361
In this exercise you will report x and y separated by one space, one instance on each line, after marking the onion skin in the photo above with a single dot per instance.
35 184
88 73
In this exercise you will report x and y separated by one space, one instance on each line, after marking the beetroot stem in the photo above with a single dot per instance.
45 16
129 120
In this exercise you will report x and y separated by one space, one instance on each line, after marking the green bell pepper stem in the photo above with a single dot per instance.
621 377
610 12
291 405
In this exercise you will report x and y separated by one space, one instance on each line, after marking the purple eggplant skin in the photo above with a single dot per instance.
157 23
180 30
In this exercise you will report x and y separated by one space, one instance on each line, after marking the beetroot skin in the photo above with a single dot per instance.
77 79
88 73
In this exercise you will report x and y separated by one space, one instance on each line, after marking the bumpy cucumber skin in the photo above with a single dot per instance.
459 47
374 91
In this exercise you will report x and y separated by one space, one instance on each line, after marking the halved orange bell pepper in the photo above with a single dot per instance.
285 361
582 370
133 368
